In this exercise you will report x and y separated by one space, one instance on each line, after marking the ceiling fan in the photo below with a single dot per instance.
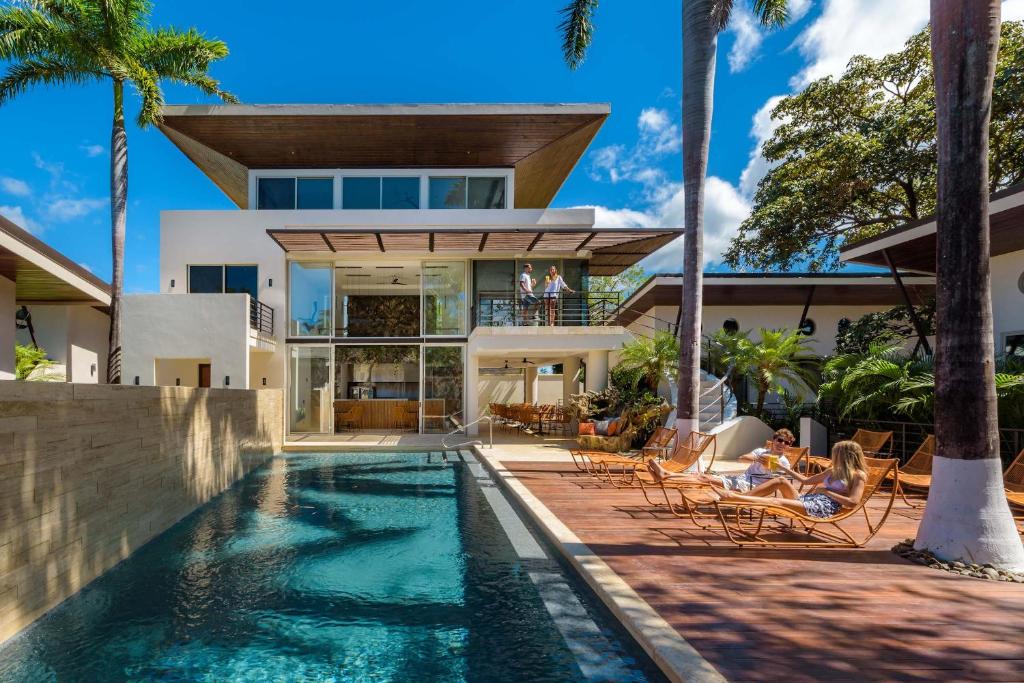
524 362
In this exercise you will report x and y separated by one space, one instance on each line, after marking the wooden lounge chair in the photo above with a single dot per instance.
916 473
656 446
872 443
1013 482
687 453
745 523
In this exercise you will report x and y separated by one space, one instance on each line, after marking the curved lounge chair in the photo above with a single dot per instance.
1013 482
744 523
872 443
916 473
656 446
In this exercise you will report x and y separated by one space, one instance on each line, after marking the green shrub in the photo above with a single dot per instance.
27 359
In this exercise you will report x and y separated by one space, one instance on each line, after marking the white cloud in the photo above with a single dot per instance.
19 188
762 128
68 208
747 41
16 215
658 136
92 150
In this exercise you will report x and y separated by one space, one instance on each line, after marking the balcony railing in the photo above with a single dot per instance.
261 317
579 309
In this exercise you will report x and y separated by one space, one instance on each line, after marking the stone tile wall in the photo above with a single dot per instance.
88 473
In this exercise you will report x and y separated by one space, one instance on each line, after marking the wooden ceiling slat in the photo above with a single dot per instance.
561 241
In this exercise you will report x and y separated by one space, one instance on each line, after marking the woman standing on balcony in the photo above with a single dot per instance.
553 286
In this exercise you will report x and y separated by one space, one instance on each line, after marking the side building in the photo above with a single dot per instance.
372 267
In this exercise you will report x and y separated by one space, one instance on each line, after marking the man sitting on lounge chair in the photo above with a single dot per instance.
756 473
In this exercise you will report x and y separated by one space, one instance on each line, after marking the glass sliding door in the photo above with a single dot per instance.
444 298
309 299
376 387
309 389
443 387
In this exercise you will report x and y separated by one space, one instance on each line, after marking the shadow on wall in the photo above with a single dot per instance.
89 473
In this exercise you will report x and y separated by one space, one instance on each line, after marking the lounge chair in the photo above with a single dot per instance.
916 473
872 443
656 446
1013 482
744 523
687 454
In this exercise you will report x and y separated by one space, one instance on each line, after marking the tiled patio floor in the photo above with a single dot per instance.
760 615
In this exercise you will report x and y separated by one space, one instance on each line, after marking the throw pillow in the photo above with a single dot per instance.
602 427
614 427
587 429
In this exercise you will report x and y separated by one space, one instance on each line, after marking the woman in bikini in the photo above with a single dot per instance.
840 486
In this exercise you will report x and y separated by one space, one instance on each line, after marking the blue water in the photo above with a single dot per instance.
317 567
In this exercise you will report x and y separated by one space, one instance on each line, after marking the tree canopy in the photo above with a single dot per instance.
856 155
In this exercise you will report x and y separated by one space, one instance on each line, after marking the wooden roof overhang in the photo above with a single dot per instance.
777 289
611 250
42 275
542 142
912 247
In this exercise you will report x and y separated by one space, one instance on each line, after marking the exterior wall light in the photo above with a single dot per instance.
227 380
136 380
270 282
172 283
177 381
264 381
92 369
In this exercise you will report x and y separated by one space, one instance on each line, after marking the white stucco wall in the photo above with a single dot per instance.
73 336
7 340
197 326
1007 298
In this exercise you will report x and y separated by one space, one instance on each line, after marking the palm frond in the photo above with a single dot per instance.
577 28
146 84
773 13
34 71
173 53
721 12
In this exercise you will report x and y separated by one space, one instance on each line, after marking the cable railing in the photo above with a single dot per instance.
579 309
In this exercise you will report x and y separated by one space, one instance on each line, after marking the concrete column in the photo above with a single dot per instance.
570 366
532 390
597 370
815 435
7 311
473 410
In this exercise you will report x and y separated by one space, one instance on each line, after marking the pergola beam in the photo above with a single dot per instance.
922 338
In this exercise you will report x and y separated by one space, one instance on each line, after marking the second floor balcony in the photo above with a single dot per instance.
512 309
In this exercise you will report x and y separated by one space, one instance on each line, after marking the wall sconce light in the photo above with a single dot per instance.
136 380
270 282
227 380
264 381
92 369
172 283
177 381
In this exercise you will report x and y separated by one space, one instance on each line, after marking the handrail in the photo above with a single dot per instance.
490 423
261 316
584 308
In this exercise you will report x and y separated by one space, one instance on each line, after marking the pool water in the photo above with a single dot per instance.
323 567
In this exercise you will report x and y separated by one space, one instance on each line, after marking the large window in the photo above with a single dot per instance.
375 192
292 193
443 370
223 279
444 298
309 299
309 389
380 300
376 387
461 192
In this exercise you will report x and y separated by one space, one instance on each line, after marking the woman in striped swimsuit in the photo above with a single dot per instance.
840 486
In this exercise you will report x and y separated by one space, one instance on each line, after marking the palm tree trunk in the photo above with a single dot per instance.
118 217
967 516
700 44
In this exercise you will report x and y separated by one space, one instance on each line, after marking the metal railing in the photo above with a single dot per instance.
579 309
261 317
463 428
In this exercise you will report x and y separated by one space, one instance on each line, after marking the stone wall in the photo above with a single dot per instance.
88 473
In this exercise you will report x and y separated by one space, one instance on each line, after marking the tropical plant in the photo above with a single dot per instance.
27 358
856 155
967 516
873 384
883 327
703 20
625 283
651 360
781 360
73 42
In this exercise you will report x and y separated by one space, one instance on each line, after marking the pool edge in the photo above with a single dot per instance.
666 647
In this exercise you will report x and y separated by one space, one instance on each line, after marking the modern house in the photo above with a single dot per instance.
372 266
815 303
58 305
912 248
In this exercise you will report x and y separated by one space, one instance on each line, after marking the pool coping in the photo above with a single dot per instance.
666 647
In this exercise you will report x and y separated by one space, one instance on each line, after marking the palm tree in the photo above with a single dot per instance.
703 20
652 360
73 42
967 516
781 361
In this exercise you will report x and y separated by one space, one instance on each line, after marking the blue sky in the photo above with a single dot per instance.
54 166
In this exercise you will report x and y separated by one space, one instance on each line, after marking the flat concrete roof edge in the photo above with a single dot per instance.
459 109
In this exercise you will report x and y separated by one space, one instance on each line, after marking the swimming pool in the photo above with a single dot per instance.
336 567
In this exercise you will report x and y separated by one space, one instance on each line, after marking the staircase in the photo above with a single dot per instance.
717 404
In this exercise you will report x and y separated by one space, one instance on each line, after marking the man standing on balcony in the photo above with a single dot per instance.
526 284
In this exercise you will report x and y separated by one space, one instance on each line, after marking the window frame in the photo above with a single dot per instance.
223 277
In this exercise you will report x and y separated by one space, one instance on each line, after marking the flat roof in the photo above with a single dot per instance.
42 275
611 250
913 246
776 289
542 142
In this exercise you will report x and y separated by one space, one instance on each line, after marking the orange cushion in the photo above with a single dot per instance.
614 427
587 429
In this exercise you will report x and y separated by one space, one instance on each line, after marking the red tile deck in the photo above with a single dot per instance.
795 615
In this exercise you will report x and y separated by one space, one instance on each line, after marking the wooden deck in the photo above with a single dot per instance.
762 615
